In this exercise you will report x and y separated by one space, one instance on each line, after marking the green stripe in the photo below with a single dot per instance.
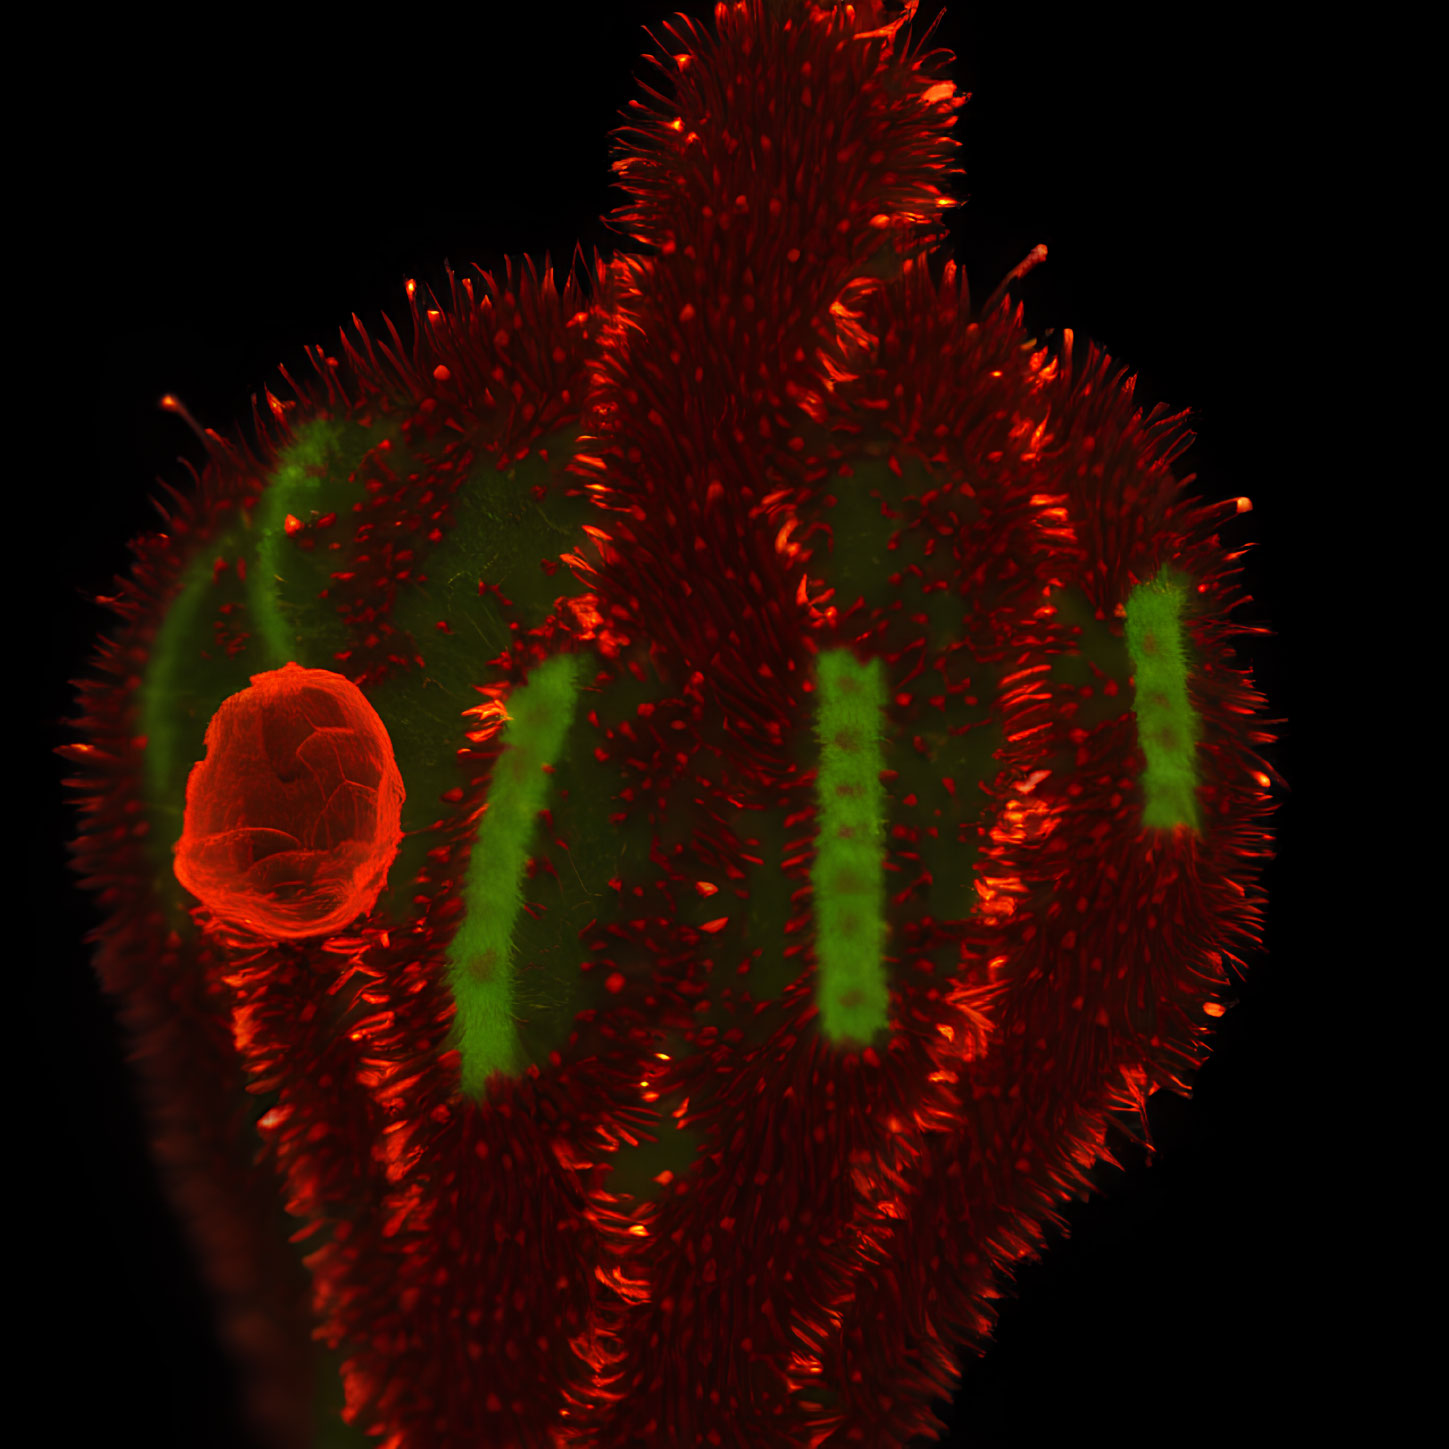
1167 727
848 874
480 961
300 472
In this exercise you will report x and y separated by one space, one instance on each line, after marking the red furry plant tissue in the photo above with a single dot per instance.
645 836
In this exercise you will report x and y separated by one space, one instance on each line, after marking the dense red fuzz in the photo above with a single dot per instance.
770 435
292 817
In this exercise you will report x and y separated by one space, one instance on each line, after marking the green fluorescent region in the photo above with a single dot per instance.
480 959
171 661
298 473
1167 727
847 876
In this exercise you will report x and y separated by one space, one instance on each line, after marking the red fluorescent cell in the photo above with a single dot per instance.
294 816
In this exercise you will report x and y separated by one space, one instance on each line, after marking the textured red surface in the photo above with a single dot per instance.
848 1218
292 818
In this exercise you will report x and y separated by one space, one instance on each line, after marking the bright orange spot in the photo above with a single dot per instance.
294 816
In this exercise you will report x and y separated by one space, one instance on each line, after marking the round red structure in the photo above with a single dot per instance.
293 817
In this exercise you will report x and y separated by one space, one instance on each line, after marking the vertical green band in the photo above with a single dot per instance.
1167 727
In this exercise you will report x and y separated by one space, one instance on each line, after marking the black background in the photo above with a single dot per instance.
235 189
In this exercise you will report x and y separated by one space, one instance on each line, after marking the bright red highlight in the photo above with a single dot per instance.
293 817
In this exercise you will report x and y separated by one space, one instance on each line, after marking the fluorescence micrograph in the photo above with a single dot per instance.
658 820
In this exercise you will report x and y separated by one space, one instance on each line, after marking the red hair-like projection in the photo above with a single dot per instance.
292 817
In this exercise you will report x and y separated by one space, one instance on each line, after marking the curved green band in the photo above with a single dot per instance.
480 960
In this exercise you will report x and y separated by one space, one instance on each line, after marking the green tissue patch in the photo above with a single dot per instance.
288 587
480 959
937 733
849 892
1167 726
576 851
500 534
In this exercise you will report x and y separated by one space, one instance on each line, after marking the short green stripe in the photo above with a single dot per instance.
848 874
480 960
173 659
298 475
1167 727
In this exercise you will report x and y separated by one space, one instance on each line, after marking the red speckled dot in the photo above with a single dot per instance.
294 816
